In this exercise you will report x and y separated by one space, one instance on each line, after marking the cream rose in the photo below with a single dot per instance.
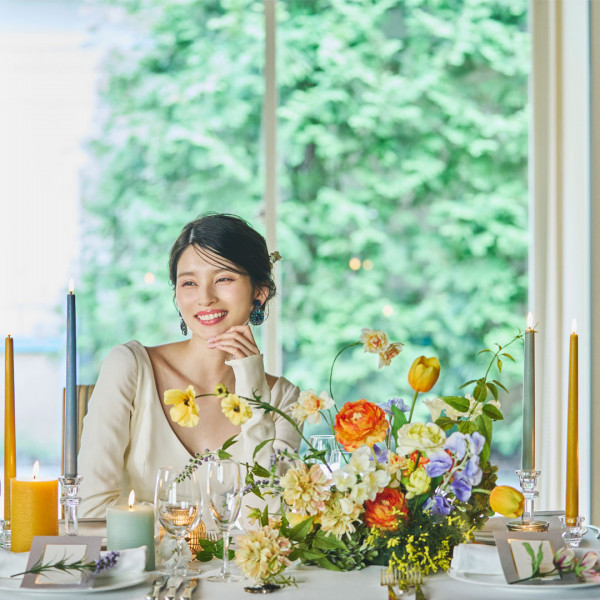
424 437
418 483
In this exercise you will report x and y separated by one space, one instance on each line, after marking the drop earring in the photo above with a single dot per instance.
183 326
257 316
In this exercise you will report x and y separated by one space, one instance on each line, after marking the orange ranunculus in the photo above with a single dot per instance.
507 501
389 506
423 373
360 423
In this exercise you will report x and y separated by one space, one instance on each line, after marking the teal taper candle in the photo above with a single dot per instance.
528 445
71 437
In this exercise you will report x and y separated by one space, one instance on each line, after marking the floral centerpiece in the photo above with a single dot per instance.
407 491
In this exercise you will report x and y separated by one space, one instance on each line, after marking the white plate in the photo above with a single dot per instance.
104 584
500 581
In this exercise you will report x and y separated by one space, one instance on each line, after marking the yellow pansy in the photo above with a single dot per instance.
236 409
185 410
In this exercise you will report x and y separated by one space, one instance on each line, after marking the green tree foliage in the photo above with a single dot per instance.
403 142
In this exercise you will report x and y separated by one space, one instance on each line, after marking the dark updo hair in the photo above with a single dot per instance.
230 238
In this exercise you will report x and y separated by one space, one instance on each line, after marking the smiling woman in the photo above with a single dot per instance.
221 273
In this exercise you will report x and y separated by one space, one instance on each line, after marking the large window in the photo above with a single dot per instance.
402 161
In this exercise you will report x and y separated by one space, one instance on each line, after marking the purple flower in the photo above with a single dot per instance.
381 453
438 505
439 463
476 442
108 561
461 487
472 472
397 402
457 444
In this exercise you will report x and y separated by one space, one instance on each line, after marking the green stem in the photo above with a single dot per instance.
333 364
412 407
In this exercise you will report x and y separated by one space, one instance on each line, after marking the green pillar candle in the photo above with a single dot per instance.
528 444
131 526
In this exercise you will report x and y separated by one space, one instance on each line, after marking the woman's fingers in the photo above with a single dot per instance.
238 341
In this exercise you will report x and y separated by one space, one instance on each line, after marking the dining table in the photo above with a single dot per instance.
313 583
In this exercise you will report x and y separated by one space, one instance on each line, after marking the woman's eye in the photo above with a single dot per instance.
187 283
224 279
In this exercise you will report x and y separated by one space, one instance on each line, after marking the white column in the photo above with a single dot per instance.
271 339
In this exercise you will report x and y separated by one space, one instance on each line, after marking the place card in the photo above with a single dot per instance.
517 562
48 550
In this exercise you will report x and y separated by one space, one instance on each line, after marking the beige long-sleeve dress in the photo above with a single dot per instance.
127 437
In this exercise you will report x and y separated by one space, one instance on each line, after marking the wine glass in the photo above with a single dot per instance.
224 489
178 504
333 456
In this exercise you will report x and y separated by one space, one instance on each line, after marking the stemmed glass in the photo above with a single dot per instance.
178 504
224 488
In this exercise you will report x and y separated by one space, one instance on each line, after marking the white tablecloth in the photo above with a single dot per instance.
319 584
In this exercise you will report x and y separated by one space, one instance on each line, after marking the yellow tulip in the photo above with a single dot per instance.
423 373
507 501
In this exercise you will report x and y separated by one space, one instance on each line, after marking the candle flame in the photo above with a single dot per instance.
131 499
529 320
574 326
71 285
36 469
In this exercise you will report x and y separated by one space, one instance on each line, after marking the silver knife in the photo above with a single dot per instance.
157 585
189 590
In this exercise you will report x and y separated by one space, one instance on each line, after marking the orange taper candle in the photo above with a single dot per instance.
572 510
34 510
10 451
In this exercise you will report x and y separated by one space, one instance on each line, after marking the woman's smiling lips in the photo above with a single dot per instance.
210 317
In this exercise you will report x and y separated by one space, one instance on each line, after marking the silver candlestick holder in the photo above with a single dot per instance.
572 530
528 522
70 499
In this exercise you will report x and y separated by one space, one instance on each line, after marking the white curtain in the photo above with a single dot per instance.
561 251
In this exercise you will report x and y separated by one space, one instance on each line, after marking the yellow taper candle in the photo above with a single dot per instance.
10 451
34 510
572 510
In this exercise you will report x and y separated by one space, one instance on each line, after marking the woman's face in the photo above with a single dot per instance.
211 298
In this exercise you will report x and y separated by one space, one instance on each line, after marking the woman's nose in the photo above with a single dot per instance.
206 294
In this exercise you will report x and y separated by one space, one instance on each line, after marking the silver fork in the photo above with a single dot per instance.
414 576
387 578
157 585
172 587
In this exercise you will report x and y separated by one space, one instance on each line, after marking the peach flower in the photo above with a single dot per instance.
360 423
389 505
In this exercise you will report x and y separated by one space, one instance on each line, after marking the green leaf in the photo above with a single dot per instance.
459 403
484 456
484 426
500 385
480 392
445 423
260 471
499 363
484 350
299 531
466 427
492 387
467 383
398 420
492 412
508 356
204 555
326 541
261 446
232 440
223 455
325 563
264 517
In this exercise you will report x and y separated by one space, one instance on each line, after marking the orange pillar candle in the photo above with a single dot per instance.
10 452
34 510
572 510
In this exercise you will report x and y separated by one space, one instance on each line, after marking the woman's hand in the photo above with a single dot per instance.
238 341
